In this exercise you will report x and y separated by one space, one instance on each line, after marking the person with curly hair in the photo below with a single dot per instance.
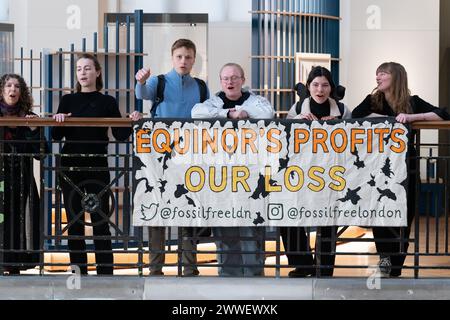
78 183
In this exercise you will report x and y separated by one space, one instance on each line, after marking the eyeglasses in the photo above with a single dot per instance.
232 79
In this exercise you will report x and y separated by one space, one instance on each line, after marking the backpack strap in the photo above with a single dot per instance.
203 89
341 108
159 94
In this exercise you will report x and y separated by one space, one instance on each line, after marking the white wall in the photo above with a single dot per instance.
57 24
18 15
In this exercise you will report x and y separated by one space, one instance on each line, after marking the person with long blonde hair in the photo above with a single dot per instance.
392 98
240 249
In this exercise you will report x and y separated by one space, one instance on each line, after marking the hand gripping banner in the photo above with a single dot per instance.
270 173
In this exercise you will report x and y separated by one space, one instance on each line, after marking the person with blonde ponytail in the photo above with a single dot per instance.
392 98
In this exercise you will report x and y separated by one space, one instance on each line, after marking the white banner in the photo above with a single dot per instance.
269 173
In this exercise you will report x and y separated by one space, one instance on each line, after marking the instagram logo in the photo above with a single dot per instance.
275 211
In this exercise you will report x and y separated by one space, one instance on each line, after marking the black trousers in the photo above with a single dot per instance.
90 183
396 249
298 252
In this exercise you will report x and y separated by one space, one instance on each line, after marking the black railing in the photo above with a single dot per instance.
36 220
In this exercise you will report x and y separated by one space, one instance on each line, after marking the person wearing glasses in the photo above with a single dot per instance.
235 103
20 215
